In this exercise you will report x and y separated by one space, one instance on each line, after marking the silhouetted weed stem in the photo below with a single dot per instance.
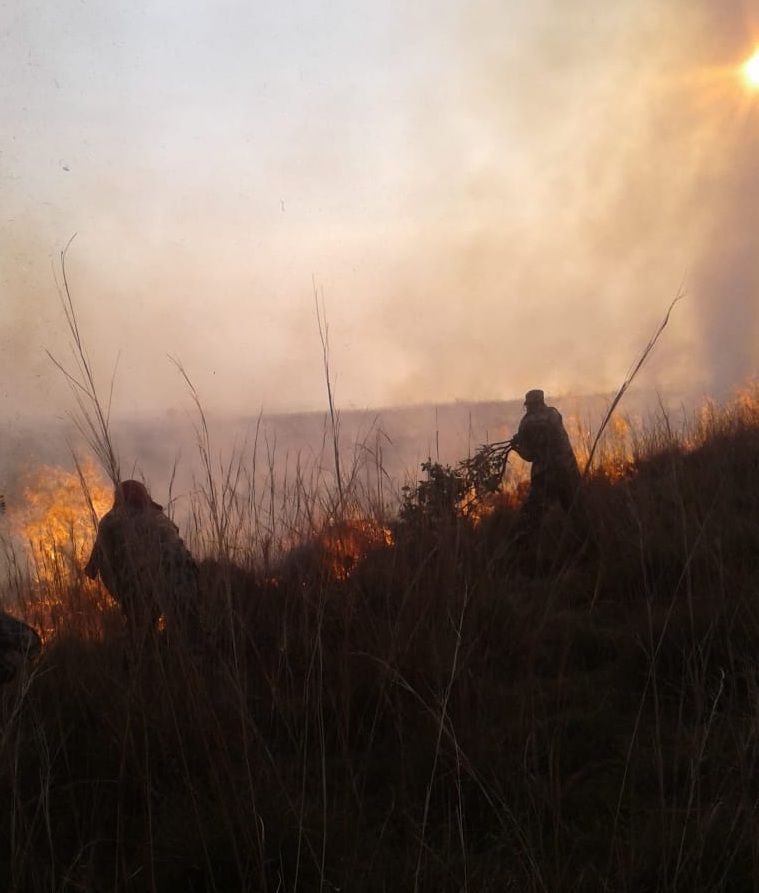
631 375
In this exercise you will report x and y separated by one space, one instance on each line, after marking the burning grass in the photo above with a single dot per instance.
53 524
427 712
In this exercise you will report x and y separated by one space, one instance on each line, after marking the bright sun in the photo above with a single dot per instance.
751 71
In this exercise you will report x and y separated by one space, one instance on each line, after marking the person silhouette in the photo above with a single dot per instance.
542 440
144 564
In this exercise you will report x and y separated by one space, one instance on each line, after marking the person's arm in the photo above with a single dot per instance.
92 568
98 559
530 439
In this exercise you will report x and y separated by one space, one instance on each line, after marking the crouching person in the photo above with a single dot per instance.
145 566
18 644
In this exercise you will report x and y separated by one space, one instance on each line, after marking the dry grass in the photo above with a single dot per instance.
436 715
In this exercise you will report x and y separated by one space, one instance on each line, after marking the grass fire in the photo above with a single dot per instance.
406 697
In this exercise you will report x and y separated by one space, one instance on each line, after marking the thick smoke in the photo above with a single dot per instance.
491 196
726 277
574 179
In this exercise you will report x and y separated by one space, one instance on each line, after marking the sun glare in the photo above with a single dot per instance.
751 71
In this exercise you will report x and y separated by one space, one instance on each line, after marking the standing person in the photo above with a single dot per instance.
144 564
555 476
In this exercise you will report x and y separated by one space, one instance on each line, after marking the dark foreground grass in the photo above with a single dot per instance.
453 715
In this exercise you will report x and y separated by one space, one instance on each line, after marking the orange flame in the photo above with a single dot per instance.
344 544
57 523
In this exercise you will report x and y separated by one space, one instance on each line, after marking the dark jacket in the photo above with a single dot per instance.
542 440
143 562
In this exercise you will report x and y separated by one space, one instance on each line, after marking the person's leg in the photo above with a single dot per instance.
572 498
533 508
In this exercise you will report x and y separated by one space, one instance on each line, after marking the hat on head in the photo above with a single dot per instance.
135 495
534 397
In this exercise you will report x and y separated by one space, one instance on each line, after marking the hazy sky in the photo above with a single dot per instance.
488 195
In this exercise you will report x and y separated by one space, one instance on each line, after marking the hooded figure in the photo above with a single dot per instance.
542 440
143 562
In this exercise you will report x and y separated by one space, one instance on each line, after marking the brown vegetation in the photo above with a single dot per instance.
435 713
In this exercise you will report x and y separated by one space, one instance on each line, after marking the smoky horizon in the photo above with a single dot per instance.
474 200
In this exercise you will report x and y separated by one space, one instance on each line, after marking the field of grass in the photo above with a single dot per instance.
433 711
